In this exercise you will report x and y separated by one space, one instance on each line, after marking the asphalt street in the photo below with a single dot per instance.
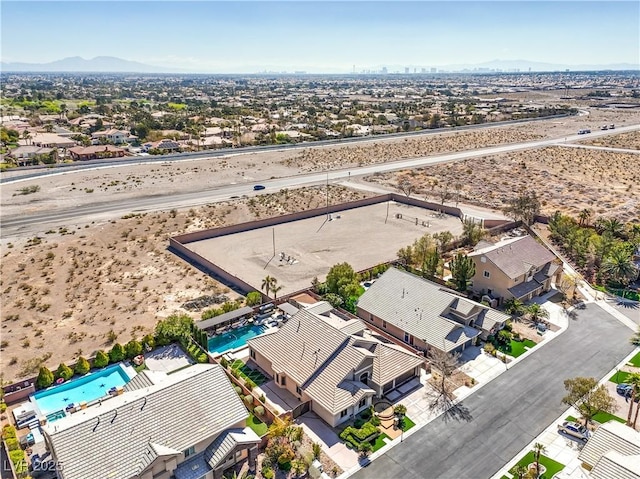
35 223
500 419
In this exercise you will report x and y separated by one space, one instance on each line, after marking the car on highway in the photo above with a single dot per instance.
584 131
574 430
258 187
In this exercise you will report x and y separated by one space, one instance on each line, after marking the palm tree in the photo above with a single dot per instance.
514 306
266 284
26 135
275 288
520 472
612 226
633 380
585 216
536 313
619 266
635 339
538 449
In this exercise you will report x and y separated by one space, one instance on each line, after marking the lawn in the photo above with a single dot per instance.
408 424
619 377
516 348
257 425
603 417
379 442
635 360
570 419
552 466
247 373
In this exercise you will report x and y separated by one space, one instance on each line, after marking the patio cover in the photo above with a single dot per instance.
223 318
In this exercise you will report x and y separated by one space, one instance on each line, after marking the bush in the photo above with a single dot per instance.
284 463
149 341
365 432
267 473
317 450
224 363
235 373
489 348
375 420
117 353
17 457
13 444
133 349
82 366
238 389
101 360
253 298
249 384
258 410
45 378
64 372
248 399
262 399
358 423
366 414
8 431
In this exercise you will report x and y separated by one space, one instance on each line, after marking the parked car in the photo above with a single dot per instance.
624 389
574 430
258 187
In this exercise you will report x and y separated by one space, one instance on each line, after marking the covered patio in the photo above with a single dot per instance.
227 320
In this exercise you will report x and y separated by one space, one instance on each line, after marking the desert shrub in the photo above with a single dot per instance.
489 348
117 353
64 372
259 410
224 363
101 360
45 378
82 366
238 389
13 444
267 473
284 462
248 399
149 341
317 450
262 398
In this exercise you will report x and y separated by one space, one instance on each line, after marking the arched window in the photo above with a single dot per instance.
364 378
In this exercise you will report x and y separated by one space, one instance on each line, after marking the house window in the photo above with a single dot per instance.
344 413
384 324
371 317
298 390
283 380
364 377
486 274
406 337
190 451
252 353
362 403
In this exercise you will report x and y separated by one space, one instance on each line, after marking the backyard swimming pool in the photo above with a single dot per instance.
95 385
234 339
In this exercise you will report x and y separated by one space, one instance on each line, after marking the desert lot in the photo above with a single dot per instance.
363 237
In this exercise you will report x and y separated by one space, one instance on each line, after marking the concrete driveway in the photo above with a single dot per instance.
495 423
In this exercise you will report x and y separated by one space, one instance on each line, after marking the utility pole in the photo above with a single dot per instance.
327 195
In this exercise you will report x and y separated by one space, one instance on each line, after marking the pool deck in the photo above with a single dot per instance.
167 359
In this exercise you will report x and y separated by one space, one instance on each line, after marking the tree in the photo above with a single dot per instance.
266 284
405 255
405 185
514 306
176 327
444 194
536 313
117 353
132 349
275 287
343 281
431 263
587 397
538 449
64 372
585 217
334 299
253 298
520 471
443 239
45 378
613 226
472 232
524 207
462 270
619 266
26 135
101 360
82 366
445 364
633 380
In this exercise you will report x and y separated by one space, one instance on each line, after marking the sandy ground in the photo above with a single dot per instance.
316 244
64 293
624 140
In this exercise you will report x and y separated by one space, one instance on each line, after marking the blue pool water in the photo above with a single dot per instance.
234 339
86 388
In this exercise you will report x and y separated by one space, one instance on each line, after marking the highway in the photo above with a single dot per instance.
21 225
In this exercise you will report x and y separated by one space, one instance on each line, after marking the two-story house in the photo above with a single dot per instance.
519 268
187 425
335 366
426 315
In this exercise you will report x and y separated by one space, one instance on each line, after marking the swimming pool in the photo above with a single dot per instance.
86 388
234 339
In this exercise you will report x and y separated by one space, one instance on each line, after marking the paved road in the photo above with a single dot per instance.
513 409
21 225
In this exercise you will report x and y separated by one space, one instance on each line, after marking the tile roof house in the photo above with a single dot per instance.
96 152
518 268
612 451
114 136
187 425
426 315
334 365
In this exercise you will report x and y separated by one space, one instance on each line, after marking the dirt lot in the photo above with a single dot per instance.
624 140
363 237
77 288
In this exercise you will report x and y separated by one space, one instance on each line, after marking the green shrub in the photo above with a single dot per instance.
149 341
284 463
8 431
17 457
117 353
267 473
248 399
64 372
82 366
366 414
317 450
358 423
262 398
249 384
133 348
238 389
13 444
45 378
258 410
224 363
235 373
375 420
101 360
365 432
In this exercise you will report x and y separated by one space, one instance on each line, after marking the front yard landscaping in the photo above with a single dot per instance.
553 467
635 361
515 348
619 377
368 431
603 417
380 441
259 427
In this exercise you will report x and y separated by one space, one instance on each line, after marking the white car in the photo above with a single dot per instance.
574 430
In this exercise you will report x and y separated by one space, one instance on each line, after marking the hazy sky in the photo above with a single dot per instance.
322 36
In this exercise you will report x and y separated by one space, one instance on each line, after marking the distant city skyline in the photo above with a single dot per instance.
322 37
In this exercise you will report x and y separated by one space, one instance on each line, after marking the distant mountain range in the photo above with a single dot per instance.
105 64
